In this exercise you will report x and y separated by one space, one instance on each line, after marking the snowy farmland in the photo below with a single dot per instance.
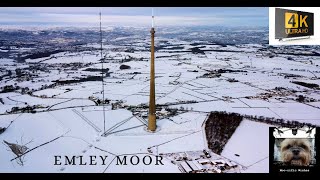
53 105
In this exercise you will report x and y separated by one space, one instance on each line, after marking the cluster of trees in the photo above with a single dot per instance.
287 75
19 72
219 128
277 121
9 88
302 98
210 75
12 88
280 88
117 105
100 102
40 54
232 80
89 78
105 70
27 109
9 73
308 85
123 66
229 71
26 90
196 50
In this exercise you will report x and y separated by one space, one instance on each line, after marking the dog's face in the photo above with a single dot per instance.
296 152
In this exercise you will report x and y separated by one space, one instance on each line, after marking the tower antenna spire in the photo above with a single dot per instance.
152 19
102 72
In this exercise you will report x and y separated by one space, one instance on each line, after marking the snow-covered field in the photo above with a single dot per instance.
70 123
250 141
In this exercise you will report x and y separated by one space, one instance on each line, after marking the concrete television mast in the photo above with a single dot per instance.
152 101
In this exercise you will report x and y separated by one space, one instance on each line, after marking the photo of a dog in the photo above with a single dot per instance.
296 152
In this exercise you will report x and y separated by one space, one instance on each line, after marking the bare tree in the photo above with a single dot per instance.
18 150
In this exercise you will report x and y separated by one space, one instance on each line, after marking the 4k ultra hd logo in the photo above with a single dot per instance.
291 23
295 23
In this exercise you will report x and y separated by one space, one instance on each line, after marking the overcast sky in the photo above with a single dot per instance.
133 16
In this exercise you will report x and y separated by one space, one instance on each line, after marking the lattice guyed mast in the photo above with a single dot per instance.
102 72
152 101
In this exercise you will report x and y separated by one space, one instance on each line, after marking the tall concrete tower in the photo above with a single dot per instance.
152 101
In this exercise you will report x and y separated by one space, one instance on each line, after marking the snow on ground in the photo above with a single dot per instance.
179 83
297 112
6 62
251 142
33 100
30 130
80 138
259 167
72 103
49 92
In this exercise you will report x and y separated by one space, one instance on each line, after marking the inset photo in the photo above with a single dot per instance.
294 26
294 152
293 149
